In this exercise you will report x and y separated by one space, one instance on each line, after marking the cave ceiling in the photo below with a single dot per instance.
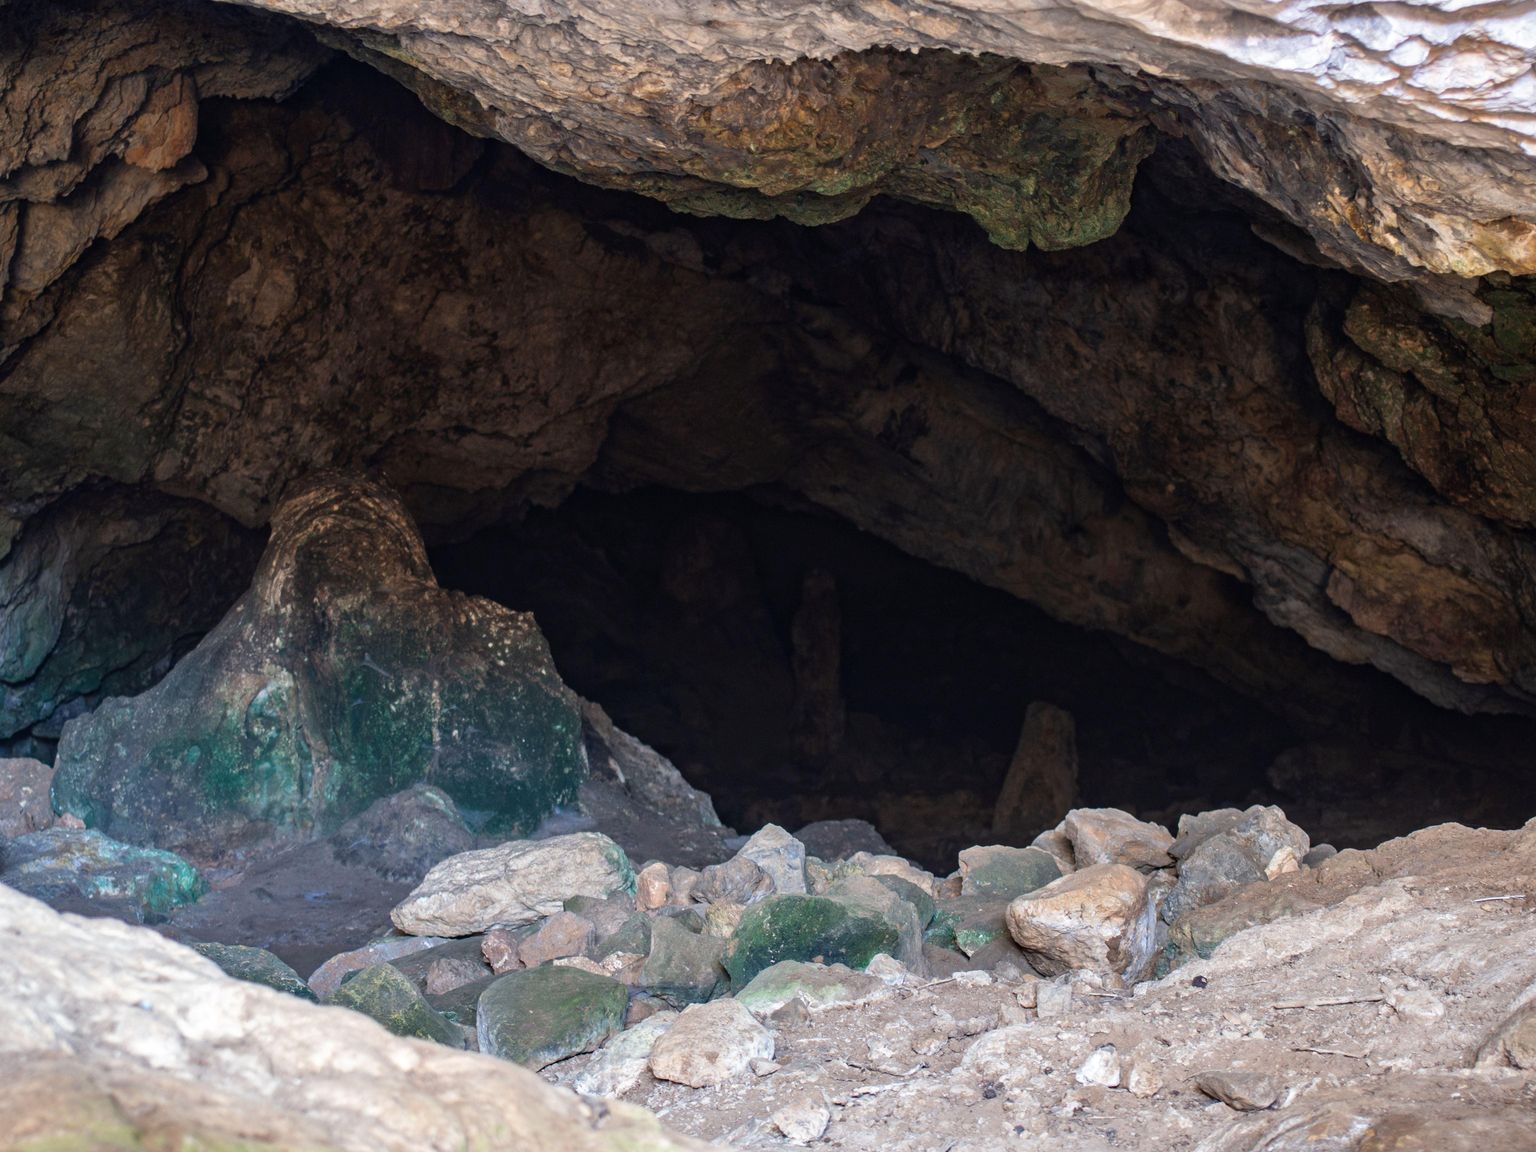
1234 356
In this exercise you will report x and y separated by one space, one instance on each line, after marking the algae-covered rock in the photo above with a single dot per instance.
391 998
537 1016
79 870
343 675
968 923
805 928
999 871
256 966
814 985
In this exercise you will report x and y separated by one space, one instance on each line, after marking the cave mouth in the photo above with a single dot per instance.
798 670
816 512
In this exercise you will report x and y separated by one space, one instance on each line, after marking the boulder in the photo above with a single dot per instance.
562 935
79 870
25 804
1098 918
256 966
814 985
401 836
840 839
324 980
1222 851
1001 872
513 883
619 1064
540 1015
1110 836
867 896
343 675
389 996
683 967
710 1044
780 856
805 928
159 1018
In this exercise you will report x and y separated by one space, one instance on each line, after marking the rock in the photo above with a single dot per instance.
346 653
927 907
970 923
722 919
502 948
623 1060
737 881
1318 854
834 840
1196 828
388 996
607 916
324 980
1101 1069
1053 999
865 864
683 967
710 1044
538 1016
1513 1043
290 1075
869 896
780 856
401 836
805 928
1144 1080
890 971
1004 873
256 966
1244 1091
464 956
561 935
1097 919
512 884
1041 784
653 886
814 985
460 1004
1219 854
1056 843
803 1118
1110 836
84 871
449 973
633 937
25 804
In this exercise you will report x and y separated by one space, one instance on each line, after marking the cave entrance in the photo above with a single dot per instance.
800 670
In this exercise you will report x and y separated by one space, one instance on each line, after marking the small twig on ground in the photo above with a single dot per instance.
1327 1002
1332 1052
912 1071
1491 899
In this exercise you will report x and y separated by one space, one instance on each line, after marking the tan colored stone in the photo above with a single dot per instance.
563 934
1110 836
653 886
1041 784
1097 919
710 1044
500 947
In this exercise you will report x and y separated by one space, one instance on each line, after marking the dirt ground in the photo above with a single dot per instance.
1374 1007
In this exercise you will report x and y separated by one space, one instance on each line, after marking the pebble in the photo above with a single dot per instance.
1243 1091
1144 1080
1053 999
710 1044
1102 1068
803 1118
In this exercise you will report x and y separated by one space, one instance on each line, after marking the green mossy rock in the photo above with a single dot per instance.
1004 873
256 966
391 998
344 675
76 870
968 923
683 967
815 985
540 1015
811 928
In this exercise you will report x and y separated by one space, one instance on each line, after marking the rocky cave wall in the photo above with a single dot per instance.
1057 330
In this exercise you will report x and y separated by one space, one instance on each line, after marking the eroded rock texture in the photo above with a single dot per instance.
1400 140
344 674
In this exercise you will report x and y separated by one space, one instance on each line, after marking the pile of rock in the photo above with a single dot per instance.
537 951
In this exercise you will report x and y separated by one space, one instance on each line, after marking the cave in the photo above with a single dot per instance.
936 430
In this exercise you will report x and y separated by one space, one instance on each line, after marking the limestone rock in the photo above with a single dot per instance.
1110 836
341 661
25 804
653 886
402 836
78 870
514 883
683 967
834 840
1003 873
1255 846
814 985
561 935
811 928
1243 1091
803 1118
160 1016
1041 784
1513 1042
1098 919
710 1044
388 996
257 966
780 856
324 980
541 1015
623 1060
